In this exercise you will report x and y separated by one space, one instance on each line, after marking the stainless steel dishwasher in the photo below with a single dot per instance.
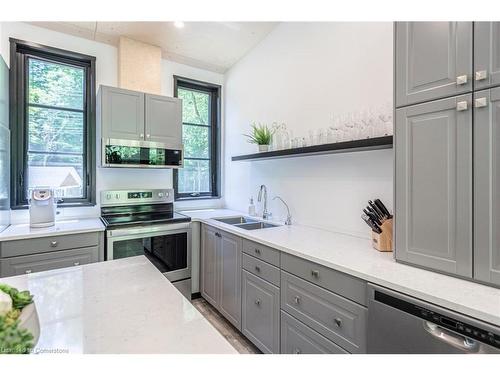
401 324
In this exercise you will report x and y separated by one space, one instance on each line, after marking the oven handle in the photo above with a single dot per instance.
146 229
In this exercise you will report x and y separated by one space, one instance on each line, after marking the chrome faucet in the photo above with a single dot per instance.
265 214
288 216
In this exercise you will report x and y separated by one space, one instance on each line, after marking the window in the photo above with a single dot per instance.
52 123
199 177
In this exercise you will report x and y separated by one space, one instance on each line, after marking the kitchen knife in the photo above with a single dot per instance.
376 209
382 208
372 216
372 211
371 224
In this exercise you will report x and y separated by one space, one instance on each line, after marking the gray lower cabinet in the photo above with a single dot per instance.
121 113
432 60
487 186
297 338
486 54
333 316
209 279
163 120
261 313
230 278
27 264
220 282
433 185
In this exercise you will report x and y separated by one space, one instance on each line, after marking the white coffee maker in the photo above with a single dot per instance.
42 208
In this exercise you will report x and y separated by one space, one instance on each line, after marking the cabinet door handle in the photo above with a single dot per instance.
480 102
257 302
338 322
462 106
148 135
315 273
53 243
76 263
462 80
297 351
27 271
257 268
257 251
141 135
481 74
297 300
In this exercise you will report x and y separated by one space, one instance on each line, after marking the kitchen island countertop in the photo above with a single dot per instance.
124 306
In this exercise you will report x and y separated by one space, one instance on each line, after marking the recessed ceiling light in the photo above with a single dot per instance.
179 24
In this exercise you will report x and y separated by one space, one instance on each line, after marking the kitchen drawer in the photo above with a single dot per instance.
260 307
335 281
262 252
333 316
48 261
47 244
262 269
297 338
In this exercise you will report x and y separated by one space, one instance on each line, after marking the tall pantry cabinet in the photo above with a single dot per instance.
447 119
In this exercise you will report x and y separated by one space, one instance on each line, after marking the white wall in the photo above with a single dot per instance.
302 74
106 74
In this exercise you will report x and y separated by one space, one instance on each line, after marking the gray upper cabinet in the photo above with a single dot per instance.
433 143
121 113
432 60
209 275
164 120
486 54
487 186
230 278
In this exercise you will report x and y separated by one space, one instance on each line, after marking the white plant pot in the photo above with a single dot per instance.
29 320
263 148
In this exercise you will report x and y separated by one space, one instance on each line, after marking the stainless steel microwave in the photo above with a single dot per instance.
124 153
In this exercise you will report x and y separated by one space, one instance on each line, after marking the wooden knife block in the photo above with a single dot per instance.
383 241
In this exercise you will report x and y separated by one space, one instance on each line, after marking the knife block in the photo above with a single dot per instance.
383 241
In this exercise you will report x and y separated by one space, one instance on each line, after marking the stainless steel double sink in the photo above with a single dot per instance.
245 222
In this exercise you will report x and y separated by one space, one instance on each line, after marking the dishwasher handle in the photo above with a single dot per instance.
451 338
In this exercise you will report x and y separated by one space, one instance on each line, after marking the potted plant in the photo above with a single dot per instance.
261 135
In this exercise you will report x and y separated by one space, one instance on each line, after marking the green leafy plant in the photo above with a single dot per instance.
14 340
19 299
261 135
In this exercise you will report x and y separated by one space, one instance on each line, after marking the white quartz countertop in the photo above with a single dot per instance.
356 257
120 306
24 231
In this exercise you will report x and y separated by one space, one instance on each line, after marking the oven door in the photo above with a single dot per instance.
167 246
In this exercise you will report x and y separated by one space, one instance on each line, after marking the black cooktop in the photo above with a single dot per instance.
141 215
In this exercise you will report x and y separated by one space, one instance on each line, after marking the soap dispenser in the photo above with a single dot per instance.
251 207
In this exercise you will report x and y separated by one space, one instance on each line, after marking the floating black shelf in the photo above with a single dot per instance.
369 144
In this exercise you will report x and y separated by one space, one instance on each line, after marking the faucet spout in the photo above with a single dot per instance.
288 216
263 194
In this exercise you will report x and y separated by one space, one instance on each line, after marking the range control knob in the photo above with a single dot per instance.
160 195
108 196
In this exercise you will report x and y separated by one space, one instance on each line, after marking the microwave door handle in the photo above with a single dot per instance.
456 340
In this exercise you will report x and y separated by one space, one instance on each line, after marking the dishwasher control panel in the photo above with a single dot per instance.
444 321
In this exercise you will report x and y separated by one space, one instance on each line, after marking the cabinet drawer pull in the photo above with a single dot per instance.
257 302
480 102
257 269
338 322
462 106
481 74
462 80
141 135
76 263
297 300
148 135
315 273
27 271
297 351
257 251
53 243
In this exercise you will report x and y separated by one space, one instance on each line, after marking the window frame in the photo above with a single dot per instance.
20 52
215 118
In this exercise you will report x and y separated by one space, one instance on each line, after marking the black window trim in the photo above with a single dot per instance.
20 50
215 111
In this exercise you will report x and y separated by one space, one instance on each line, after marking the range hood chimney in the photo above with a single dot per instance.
139 66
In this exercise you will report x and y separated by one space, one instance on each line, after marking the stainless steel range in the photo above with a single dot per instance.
143 222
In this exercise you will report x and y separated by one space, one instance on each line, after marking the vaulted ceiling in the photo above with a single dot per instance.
214 46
